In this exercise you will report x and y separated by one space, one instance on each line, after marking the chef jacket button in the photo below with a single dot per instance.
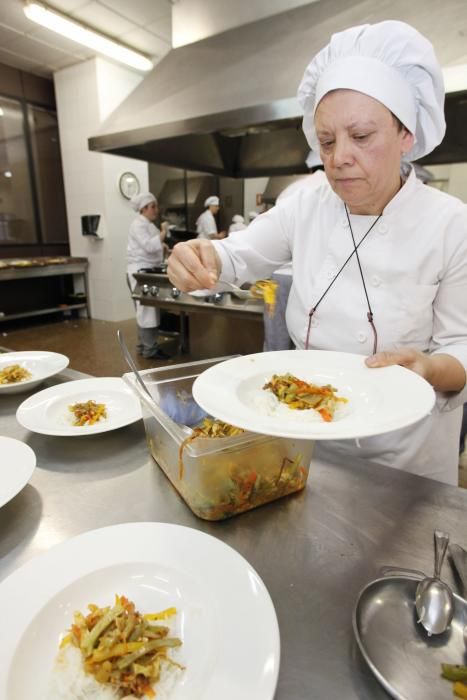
331 274
314 322
383 229
375 281
361 337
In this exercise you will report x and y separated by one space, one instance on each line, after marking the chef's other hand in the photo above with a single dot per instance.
406 357
194 265
444 372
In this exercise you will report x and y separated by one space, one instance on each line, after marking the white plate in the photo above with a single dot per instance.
379 400
40 363
17 463
226 619
47 411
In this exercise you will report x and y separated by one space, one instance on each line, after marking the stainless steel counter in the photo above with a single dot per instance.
314 551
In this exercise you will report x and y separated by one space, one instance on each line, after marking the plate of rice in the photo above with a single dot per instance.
216 610
24 370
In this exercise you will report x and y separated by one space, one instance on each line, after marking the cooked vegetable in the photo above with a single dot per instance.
302 396
460 689
121 648
14 373
266 290
210 428
88 413
454 672
247 489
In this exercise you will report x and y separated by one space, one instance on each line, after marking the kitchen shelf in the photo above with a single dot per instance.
41 312
75 266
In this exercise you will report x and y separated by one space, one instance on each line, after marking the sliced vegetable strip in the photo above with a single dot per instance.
121 648
300 395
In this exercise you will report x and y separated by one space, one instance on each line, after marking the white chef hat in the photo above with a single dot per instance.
139 201
252 215
238 219
212 201
313 159
391 62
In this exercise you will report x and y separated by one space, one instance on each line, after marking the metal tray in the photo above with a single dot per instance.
405 660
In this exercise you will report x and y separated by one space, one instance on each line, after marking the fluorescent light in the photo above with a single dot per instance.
455 78
77 32
1 112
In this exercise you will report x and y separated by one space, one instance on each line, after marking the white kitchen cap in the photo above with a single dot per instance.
212 201
139 201
313 159
252 215
391 62
238 219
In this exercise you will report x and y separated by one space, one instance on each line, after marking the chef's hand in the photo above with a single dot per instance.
443 372
194 265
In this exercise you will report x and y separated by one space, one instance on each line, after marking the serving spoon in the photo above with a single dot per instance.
434 600
131 362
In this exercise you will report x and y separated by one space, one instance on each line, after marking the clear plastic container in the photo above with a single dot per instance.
217 477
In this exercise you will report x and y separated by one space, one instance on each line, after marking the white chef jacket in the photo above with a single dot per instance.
144 250
415 267
206 224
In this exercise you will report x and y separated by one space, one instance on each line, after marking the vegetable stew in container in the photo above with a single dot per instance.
218 469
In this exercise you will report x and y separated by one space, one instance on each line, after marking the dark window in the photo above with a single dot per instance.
17 223
45 144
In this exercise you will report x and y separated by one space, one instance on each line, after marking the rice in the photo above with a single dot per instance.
268 404
68 680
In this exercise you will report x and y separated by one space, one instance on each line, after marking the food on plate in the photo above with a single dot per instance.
209 428
11 374
301 396
458 675
88 412
122 653
266 290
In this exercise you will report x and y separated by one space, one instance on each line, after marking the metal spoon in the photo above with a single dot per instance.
434 600
131 362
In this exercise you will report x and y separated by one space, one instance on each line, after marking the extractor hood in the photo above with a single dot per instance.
226 105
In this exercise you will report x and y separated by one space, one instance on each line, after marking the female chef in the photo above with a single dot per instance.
379 263
145 249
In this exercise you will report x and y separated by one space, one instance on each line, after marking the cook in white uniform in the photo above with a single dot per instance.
238 223
373 95
206 226
145 250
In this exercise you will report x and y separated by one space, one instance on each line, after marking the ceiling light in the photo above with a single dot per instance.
87 37
8 173
1 112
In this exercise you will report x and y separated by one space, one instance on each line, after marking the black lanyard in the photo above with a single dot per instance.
354 252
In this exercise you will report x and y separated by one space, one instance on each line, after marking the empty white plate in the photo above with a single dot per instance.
17 464
47 412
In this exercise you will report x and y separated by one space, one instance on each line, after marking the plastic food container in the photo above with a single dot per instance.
217 477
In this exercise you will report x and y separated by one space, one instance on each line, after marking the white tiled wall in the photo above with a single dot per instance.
86 94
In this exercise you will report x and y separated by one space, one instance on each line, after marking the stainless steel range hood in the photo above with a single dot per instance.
226 105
